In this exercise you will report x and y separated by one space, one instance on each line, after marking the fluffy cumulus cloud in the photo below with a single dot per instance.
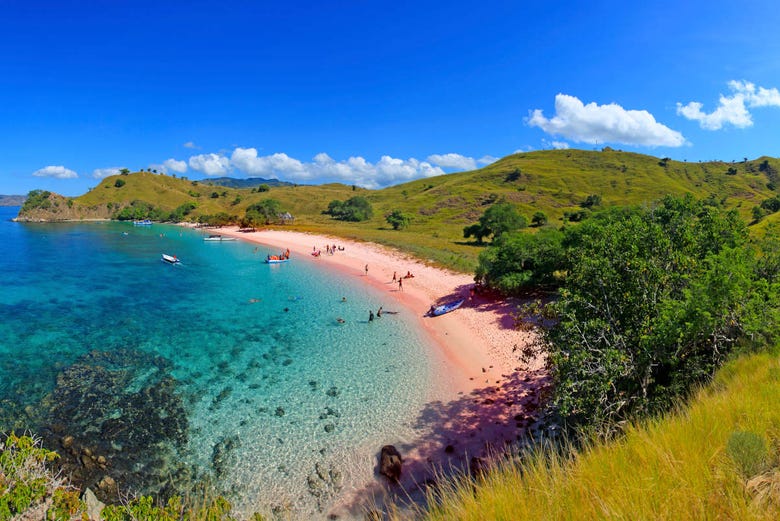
210 164
733 109
323 168
248 161
100 173
453 161
59 172
174 165
611 123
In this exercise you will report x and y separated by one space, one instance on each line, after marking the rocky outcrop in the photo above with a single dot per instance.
390 462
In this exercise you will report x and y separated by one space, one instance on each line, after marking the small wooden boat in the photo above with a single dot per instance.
446 308
276 259
170 259
219 238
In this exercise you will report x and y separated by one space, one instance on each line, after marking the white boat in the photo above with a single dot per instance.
219 238
170 259
144 222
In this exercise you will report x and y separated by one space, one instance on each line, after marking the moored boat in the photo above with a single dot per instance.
143 222
436 311
170 259
276 259
219 238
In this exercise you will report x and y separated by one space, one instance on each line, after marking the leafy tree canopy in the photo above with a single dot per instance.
354 209
500 218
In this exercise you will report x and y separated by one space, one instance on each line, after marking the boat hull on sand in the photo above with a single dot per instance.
446 308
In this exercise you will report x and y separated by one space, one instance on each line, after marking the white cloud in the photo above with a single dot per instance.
190 144
100 173
559 145
60 172
247 160
732 110
453 161
175 165
596 124
323 168
487 160
210 164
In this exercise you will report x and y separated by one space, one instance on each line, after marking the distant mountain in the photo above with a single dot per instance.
250 182
12 200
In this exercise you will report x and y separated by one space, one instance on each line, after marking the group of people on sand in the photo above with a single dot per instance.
329 249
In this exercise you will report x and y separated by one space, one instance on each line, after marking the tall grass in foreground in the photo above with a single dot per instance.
716 458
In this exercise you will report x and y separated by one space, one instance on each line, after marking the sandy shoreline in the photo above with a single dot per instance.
482 396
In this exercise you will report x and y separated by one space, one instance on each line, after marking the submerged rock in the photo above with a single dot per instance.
118 415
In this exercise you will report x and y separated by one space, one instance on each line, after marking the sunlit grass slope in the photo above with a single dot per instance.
551 181
716 458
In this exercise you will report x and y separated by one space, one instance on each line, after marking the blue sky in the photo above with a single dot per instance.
374 93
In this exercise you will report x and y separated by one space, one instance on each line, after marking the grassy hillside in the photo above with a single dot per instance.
552 181
717 458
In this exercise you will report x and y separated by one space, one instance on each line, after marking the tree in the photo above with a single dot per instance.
265 211
500 218
654 301
398 220
354 209
539 219
124 171
119 183
517 261
263 188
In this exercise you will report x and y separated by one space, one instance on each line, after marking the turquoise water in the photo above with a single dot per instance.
222 368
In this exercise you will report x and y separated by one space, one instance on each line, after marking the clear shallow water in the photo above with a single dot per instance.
222 368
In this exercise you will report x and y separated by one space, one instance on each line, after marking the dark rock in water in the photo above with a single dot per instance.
333 392
279 411
329 427
390 463
222 457
118 415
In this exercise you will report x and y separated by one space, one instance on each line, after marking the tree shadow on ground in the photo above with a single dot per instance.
460 436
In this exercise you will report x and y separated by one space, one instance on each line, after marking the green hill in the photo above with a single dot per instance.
555 182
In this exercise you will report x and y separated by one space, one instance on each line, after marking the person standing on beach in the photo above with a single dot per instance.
366 270
394 277
401 284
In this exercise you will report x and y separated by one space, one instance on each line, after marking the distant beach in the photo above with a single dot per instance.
482 396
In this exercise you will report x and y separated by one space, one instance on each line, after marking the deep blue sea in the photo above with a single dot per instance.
222 368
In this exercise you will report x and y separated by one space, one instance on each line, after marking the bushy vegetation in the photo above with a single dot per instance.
37 199
398 219
264 212
354 209
500 218
652 301
176 509
141 210
29 489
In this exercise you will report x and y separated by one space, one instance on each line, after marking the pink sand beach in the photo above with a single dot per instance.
481 395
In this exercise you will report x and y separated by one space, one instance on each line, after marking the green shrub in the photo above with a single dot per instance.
749 452
119 183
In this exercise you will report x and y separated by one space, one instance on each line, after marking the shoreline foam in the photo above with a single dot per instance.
481 394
